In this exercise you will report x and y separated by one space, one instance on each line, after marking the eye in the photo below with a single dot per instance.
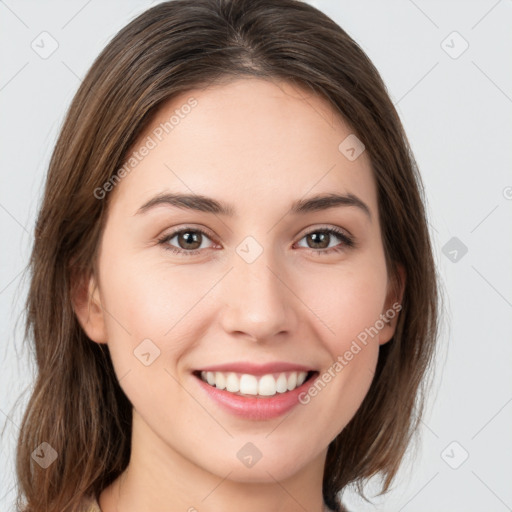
189 240
321 238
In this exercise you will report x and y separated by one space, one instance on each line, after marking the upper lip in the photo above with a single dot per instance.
256 369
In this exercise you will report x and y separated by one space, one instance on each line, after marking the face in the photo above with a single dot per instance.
260 281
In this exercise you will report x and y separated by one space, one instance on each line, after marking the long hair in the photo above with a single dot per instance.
77 405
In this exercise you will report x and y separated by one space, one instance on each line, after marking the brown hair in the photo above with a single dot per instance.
77 405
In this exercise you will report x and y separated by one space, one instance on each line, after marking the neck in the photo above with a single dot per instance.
159 478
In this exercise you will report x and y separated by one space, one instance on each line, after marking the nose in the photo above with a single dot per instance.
257 300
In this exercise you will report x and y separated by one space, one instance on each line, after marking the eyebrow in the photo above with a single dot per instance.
205 204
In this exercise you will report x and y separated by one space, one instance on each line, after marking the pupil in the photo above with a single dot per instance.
323 238
191 238
319 239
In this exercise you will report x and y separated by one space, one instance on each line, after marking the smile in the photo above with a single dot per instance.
255 391
253 385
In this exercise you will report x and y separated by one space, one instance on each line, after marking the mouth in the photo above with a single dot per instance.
257 386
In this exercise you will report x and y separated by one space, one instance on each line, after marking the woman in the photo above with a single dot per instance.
233 297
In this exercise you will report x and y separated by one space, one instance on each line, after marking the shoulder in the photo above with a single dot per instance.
89 504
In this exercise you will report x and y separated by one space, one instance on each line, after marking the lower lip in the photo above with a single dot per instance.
254 408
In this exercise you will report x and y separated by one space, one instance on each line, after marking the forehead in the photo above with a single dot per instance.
249 141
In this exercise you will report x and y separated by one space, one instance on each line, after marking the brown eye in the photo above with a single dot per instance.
188 241
321 239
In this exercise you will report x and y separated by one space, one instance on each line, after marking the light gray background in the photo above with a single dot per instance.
457 114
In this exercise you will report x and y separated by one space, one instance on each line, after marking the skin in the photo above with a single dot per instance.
258 145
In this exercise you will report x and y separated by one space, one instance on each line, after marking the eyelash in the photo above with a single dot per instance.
347 241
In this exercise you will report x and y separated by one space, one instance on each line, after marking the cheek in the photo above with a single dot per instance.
154 317
348 305
348 309
153 299
156 308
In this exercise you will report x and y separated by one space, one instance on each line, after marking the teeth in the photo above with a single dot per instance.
292 381
267 385
282 383
232 383
246 384
220 380
301 377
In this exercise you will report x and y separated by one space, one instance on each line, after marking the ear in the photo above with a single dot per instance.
85 297
393 305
